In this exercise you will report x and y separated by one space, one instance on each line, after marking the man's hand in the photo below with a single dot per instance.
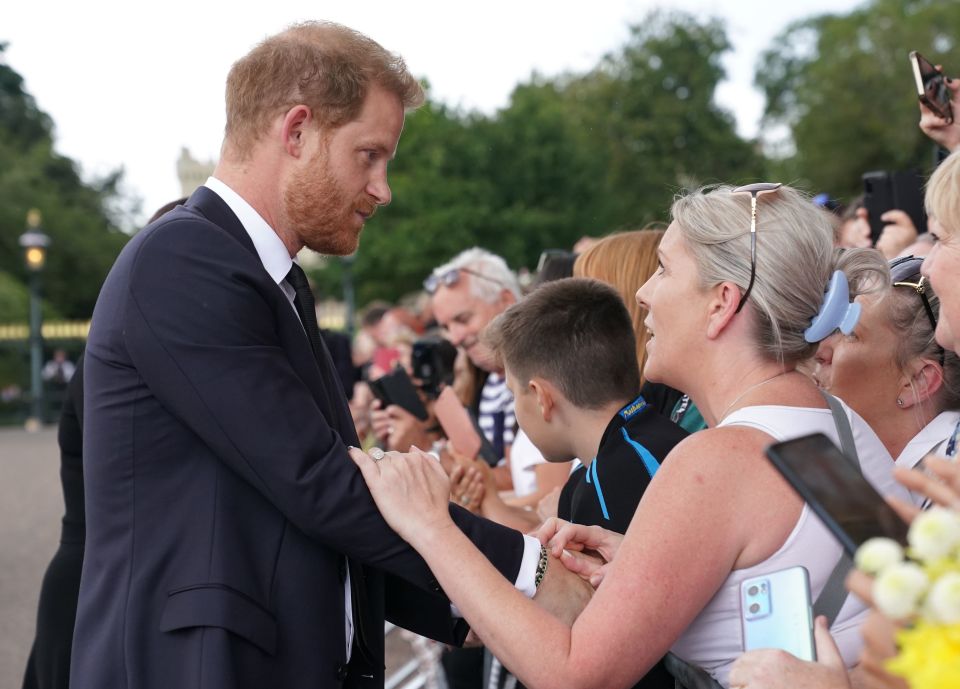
562 592
944 132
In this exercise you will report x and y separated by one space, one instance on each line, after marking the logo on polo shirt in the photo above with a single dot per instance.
634 408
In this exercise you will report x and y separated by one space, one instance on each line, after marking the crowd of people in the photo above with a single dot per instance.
586 522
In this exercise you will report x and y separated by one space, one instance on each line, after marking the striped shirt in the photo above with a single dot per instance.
496 417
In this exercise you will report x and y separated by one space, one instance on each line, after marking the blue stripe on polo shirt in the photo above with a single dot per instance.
649 461
592 469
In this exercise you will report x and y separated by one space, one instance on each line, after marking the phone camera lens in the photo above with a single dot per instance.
754 608
752 591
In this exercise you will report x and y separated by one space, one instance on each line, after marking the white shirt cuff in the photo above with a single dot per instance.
526 577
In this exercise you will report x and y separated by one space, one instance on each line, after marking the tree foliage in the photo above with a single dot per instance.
33 175
841 85
569 155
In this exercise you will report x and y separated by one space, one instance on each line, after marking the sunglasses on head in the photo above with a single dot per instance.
756 189
449 278
905 272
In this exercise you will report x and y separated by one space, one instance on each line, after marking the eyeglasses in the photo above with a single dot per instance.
905 272
755 190
449 278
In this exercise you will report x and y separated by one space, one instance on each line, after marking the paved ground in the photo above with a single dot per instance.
31 505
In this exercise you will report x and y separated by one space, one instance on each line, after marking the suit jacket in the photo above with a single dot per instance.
220 498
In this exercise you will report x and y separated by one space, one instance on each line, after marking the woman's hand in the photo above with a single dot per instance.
898 233
411 490
397 428
585 550
941 484
467 486
879 636
775 669
944 132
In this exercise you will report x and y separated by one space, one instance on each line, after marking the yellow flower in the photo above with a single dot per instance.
929 656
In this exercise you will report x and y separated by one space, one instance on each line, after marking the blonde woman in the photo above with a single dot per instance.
742 274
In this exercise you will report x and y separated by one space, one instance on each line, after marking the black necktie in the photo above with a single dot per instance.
306 308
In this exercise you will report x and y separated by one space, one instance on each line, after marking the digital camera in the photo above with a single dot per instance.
432 363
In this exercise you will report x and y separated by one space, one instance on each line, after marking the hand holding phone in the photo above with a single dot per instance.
885 191
397 388
931 86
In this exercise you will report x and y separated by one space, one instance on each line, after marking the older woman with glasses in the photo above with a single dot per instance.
938 276
742 275
890 369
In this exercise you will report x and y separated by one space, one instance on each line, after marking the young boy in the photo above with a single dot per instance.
570 361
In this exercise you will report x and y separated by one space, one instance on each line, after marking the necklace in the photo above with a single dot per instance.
749 389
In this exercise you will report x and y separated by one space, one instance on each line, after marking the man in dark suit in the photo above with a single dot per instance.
230 540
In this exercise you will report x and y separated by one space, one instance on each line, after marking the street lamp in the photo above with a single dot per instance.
35 243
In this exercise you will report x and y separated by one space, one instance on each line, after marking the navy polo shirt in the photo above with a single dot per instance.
607 492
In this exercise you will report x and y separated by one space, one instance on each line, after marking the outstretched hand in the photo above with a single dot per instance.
411 491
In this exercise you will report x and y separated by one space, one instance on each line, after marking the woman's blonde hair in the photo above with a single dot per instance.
943 193
624 261
794 258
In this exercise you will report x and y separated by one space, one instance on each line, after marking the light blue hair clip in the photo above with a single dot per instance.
835 312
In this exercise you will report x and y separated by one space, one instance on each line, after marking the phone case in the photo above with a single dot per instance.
884 191
847 504
397 388
775 612
931 88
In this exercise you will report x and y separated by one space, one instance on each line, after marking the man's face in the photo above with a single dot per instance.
342 177
464 316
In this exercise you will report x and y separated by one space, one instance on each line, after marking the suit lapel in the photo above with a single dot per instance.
317 376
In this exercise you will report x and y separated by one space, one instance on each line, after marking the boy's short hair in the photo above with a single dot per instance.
577 334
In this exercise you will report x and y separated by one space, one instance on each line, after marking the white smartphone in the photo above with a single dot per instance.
775 612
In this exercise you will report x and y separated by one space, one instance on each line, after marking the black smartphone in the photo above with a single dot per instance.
397 388
931 88
886 191
836 491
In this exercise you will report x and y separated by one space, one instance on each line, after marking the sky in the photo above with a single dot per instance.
129 84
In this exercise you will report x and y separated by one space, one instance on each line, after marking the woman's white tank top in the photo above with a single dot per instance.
714 639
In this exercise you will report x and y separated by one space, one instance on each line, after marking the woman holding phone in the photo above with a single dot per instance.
770 670
742 275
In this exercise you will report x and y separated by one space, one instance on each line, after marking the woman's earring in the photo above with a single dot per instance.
899 402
